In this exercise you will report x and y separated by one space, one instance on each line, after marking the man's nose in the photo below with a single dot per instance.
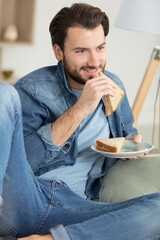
93 60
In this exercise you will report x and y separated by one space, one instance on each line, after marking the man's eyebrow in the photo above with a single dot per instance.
104 43
79 48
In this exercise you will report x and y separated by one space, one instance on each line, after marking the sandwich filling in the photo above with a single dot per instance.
110 144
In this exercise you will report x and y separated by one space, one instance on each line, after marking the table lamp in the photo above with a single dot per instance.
142 16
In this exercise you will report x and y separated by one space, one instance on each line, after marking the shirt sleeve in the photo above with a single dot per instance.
45 134
38 138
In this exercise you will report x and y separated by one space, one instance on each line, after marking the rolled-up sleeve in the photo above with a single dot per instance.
46 134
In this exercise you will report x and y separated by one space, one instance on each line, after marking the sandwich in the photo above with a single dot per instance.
110 144
111 103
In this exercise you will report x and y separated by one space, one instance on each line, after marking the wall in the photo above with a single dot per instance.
128 54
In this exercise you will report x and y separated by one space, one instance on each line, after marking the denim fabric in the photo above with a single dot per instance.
59 233
0 200
45 95
33 206
93 127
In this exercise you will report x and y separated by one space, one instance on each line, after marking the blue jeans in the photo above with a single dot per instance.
33 206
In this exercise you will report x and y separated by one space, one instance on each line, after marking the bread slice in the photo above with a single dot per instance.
110 144
111 103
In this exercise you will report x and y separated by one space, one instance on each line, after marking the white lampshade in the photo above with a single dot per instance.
140 16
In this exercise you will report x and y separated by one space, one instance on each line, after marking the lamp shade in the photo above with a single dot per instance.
140 16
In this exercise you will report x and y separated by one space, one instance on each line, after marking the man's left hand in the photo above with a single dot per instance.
137 139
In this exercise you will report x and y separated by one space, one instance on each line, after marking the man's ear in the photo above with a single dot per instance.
58 52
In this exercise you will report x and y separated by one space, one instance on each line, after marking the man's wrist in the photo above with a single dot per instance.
82 110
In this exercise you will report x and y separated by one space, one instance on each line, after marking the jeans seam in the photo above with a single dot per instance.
8 226
49 209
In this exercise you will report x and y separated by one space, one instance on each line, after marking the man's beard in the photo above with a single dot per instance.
74 74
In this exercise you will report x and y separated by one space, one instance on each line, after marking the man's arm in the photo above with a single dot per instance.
68 122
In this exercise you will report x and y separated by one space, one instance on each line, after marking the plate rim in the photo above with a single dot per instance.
123 154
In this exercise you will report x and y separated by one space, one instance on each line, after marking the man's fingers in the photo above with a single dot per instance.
102 78
100 86
137 138
132 158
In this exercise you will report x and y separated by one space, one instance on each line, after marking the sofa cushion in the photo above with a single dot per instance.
132 178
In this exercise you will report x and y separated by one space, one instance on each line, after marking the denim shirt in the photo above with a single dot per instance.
45 95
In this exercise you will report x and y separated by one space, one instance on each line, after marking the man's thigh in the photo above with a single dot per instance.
24 213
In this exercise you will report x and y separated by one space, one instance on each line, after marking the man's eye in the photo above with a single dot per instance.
80 51
100 48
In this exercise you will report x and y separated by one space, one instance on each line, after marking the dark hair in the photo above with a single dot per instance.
79 14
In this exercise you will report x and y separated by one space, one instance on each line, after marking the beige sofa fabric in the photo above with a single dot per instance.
132 178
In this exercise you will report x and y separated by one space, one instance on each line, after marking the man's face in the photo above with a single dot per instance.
84 54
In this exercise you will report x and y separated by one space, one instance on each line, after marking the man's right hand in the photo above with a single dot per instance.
93 91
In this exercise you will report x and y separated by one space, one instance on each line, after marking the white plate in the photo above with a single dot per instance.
128 150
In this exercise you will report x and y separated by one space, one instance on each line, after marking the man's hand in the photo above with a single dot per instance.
38 237
93 91
68 122
137 139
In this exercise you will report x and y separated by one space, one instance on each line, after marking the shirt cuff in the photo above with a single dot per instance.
45 133
59 233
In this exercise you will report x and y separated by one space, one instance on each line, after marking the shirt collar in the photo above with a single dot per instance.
62 75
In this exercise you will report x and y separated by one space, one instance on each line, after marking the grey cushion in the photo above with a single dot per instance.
132 178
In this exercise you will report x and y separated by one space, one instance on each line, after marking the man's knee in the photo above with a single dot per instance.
8 95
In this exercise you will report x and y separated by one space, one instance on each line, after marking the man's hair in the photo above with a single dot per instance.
78 15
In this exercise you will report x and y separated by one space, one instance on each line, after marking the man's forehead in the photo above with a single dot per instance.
79 35
83 30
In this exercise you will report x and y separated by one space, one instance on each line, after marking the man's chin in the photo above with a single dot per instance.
80 81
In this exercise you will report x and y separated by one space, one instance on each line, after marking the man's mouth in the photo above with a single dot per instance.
91 70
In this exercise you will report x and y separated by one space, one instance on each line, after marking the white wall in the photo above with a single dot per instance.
128 53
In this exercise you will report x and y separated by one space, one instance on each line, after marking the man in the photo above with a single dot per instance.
63 115
52 99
